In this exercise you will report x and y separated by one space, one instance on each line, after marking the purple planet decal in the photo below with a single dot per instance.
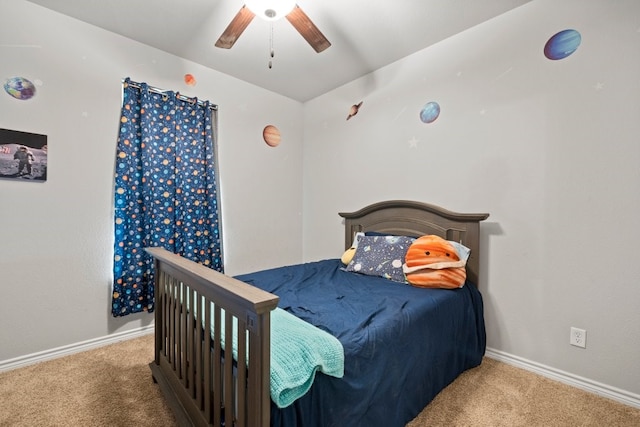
430 112
562 44
20 88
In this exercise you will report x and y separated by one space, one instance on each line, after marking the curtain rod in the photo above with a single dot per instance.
163 92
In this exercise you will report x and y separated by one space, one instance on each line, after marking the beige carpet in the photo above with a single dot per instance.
112 386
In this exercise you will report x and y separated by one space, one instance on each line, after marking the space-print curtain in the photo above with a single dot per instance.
165 190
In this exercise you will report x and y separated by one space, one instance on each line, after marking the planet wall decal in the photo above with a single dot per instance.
20 88
430 112
271 135
354 110
562 44
189 80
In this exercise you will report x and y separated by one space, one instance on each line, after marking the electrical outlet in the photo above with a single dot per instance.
578 337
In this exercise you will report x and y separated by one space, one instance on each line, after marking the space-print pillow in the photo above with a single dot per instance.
381 256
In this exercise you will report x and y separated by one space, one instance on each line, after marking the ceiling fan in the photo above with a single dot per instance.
292 12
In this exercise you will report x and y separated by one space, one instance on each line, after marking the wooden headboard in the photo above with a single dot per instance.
409 218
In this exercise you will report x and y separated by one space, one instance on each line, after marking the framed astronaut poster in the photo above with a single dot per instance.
23 155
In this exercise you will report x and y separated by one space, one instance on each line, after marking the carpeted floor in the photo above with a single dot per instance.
112 386
496 394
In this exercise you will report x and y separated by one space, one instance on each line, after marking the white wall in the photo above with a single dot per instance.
550 149
56 240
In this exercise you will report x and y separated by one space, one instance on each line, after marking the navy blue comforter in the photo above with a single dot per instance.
402 344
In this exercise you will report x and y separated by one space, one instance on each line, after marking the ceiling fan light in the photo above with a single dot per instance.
270 10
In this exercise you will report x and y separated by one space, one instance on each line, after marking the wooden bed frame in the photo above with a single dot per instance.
199 386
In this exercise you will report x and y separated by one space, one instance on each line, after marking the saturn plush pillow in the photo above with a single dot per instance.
433 262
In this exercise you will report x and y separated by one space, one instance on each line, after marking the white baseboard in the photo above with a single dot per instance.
54 353
585 384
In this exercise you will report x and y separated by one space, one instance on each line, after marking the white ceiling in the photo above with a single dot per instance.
365 35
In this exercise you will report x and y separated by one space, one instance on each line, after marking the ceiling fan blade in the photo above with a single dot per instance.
235 28
307 29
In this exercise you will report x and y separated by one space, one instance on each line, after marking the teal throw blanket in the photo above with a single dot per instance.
298 351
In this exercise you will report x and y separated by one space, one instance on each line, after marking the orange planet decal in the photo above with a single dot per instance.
190 80
354 110
271 135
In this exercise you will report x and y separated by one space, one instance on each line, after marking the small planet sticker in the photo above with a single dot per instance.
271 135
562 44
20 88
190 80
430 112
354 110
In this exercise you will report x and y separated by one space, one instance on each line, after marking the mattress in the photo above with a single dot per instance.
402 345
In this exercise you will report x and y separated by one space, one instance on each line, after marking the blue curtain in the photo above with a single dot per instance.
165 190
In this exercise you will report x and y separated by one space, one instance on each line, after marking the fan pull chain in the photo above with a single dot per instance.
271 51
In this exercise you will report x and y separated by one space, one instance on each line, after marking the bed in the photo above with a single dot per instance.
401 344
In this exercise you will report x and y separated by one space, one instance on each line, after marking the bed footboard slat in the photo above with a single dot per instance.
181 313
198 369
160 332
172 325
227 379
217 358
241 384
259 371
190 343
